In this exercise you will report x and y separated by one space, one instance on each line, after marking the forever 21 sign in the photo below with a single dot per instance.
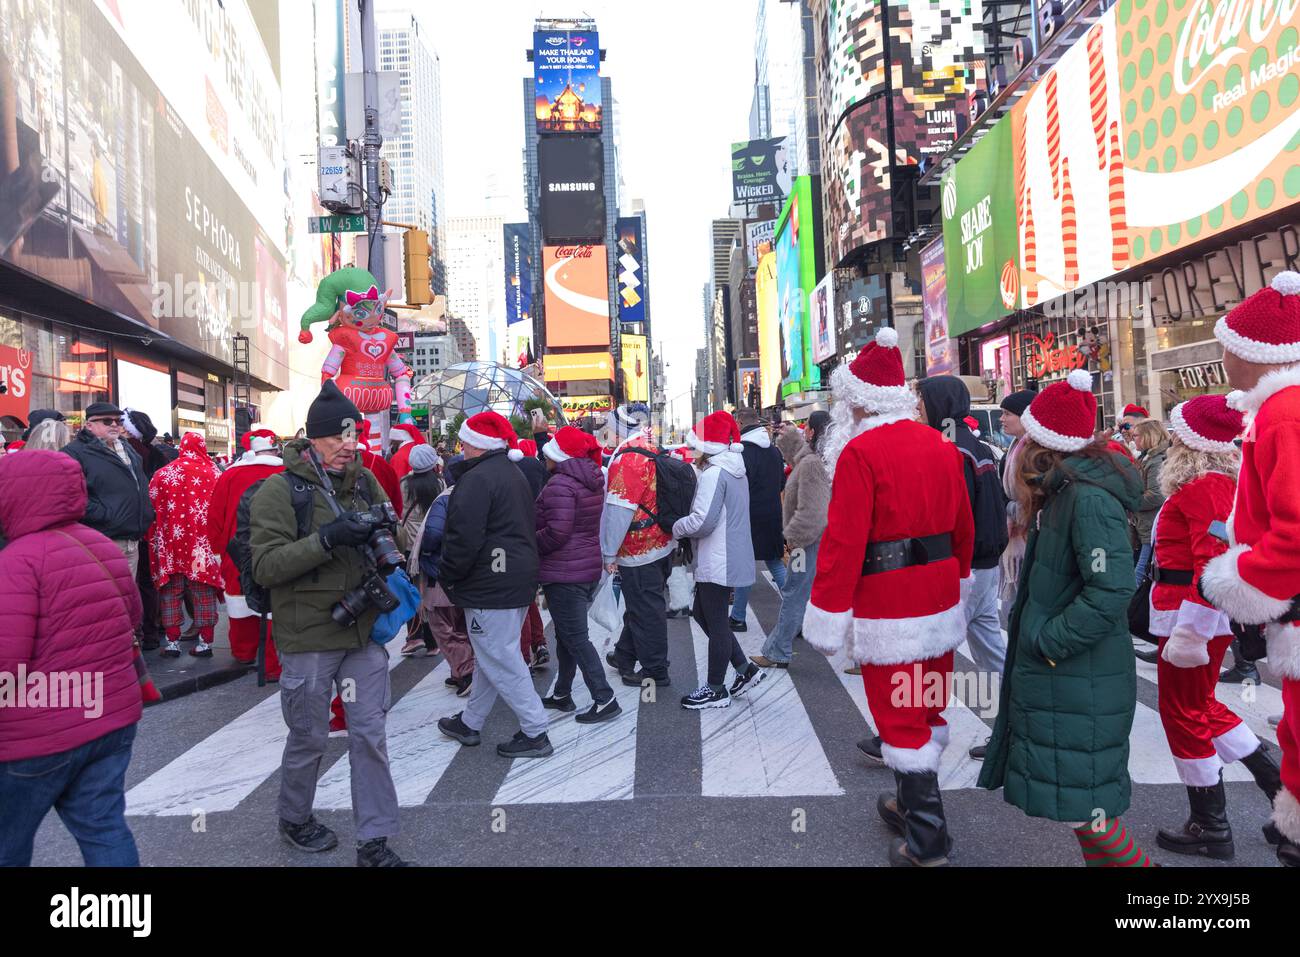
1207 375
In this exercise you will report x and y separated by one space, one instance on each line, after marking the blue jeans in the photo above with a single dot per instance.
794 602
86 786
741 603
1141 560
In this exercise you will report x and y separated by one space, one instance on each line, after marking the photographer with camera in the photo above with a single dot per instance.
327 591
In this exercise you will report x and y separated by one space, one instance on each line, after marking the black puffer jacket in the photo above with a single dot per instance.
489 545
947 403
765 472
117 495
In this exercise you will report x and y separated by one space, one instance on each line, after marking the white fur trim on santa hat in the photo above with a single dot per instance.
1048 438
1252 350
1268 386
1283 649
130 426
257 458
896 641
1286 814
887 337
488 443
1178 425
553 451
515 455
846 387
1223 585
712 448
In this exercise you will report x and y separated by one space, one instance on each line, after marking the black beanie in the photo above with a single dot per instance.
330 412
1017 402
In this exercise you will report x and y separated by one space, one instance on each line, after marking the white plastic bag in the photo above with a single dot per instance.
605 610
680 584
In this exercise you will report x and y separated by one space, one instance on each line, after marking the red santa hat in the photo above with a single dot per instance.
874 380
716 433
260 440
528 447
572 443
363 434
1265 328
1208 423
1132 409
1064 416
491 431
973 424
410 433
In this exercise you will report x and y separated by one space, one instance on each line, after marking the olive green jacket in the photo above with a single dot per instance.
305 578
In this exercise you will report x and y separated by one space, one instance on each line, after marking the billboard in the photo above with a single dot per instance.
981 255
760 171
863 309
519 275
937 50
769 332
747 384
635 366
822 304
857 200
158 191
576 283
571 171
578 366
940 350
632 290
581 406
795 278
566 81
758 240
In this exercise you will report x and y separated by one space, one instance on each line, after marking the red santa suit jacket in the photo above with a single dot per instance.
387 478
246 471
1255 580
1183 542
899 479
180 492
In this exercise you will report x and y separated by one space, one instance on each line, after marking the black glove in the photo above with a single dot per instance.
347 529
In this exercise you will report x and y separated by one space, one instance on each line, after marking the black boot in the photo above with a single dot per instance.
1288 854
927 842
891 812
1263 768
1207 830
1240 672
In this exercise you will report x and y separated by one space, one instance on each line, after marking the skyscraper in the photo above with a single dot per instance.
475 292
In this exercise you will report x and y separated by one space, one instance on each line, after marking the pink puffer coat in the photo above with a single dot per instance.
65 622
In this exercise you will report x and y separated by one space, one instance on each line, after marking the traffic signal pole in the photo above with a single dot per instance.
371 143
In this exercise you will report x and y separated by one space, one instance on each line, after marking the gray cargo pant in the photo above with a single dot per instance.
499 669
306 689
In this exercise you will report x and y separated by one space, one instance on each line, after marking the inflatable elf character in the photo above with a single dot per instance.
363 356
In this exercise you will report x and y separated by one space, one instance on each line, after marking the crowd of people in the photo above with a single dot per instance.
891 529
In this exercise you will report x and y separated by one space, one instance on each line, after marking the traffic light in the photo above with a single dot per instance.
415 249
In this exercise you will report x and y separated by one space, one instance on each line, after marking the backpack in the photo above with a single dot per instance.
240 549
674 488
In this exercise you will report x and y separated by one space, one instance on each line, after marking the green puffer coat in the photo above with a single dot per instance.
1060 743
304 578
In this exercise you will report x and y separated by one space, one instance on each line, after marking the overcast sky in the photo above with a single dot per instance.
683 77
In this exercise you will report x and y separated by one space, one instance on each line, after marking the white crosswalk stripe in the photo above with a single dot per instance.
764 745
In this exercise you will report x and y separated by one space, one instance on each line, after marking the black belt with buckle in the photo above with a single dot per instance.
1172 576
891 556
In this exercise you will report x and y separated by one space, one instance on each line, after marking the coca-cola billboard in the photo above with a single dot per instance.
577 295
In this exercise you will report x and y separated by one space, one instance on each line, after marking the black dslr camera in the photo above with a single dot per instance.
382 556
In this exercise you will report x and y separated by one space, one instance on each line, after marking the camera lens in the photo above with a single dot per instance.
347 609
384 550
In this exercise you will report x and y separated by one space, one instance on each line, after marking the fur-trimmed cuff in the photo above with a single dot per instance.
1222 584
896 641
1284 650
1286 814
1185 648
827 631
913 760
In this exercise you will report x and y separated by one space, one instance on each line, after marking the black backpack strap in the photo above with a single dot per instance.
302 495
640 525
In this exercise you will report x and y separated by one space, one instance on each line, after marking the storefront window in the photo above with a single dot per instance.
1046 349
80 374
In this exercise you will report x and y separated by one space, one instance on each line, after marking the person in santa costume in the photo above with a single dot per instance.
1199 483
1257 580
408 436
261 459
897 545
181 558
1060 744
378 465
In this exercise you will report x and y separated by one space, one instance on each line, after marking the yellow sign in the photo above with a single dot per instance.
581 406
575 366
769 332
636 368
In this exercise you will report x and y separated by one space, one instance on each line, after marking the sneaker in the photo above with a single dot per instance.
706 697
463 686
765 662
377 853
637 678
452 682
870 748
562 703
979 752
522 746
311 836
612 661
171 648
600 712
752 676
201 650
737 625
454 727
412 646
1239 674
541 657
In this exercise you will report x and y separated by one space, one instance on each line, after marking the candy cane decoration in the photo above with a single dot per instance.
1054 135
1025 213
1118 216
1097 83
1069 231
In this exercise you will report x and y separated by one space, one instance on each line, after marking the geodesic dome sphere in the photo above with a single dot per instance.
474 387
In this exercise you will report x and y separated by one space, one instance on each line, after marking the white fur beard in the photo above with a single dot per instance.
843 430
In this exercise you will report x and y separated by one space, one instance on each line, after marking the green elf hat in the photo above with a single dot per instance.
333 293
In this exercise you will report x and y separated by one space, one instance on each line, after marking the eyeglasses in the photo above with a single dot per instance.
107 420
1124 427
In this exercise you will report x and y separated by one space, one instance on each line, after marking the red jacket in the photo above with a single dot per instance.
1255 580
180 493
899 479
61 611
1183 543
223 510
388 480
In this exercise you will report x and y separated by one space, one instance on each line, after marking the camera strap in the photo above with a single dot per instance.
326 487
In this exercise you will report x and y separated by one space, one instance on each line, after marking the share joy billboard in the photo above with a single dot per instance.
1167 123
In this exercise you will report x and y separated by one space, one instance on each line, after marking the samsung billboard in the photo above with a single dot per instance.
571 175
